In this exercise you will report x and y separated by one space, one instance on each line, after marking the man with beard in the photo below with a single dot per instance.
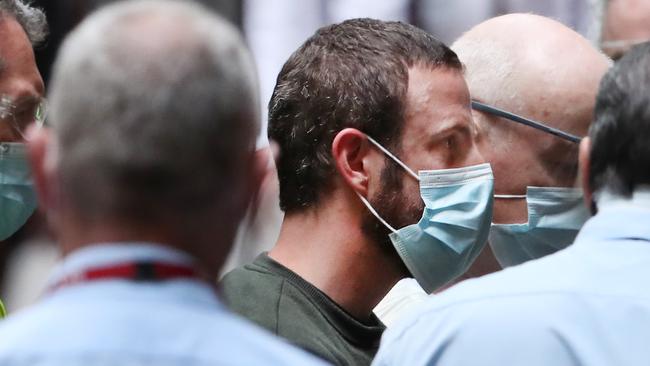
537 209
358 110
588 304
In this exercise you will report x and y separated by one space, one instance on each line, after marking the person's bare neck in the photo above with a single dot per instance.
72 235
327 248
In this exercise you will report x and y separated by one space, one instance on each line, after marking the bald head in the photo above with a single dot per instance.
518 61
540 69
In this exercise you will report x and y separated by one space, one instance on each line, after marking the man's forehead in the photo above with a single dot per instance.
19 74
437 95
435 85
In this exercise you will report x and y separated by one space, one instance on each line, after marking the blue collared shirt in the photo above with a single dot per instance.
586 305
121 322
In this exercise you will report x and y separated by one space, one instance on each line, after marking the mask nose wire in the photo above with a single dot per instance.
395 159
412 174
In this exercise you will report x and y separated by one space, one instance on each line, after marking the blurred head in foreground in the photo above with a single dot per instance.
153 126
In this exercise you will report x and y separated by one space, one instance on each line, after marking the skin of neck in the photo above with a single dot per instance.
208 253
326 247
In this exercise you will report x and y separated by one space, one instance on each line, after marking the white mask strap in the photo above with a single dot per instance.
395 159
372 210
510 196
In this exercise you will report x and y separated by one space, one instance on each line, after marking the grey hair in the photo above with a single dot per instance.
155 108
32 19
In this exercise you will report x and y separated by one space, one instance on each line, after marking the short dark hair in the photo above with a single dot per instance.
352 74
620 134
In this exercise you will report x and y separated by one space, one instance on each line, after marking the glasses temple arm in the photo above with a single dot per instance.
525 121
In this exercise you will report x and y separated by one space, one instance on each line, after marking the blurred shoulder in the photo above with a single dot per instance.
514 309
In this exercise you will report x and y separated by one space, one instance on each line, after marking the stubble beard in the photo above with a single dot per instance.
396 207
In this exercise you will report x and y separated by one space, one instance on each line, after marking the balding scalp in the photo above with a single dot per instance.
538 68
155 107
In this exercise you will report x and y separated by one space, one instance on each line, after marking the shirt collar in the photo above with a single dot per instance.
639 198
366 335
106 254
619 218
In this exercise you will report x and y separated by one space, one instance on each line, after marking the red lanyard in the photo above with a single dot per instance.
141 271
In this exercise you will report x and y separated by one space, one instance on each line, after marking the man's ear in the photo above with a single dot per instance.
350 150
584 167
43 162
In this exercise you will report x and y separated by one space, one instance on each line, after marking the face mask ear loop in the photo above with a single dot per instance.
510 196
395 159
372 210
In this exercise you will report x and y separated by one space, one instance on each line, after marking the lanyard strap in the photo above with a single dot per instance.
140 271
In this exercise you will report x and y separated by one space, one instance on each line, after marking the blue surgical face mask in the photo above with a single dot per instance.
17 197
454 226
555 215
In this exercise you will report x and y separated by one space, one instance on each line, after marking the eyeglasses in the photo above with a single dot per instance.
482 107
21 116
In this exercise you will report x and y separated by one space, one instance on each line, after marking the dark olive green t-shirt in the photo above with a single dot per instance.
279 300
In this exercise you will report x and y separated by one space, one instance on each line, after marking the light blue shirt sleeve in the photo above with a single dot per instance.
588 304
476 336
